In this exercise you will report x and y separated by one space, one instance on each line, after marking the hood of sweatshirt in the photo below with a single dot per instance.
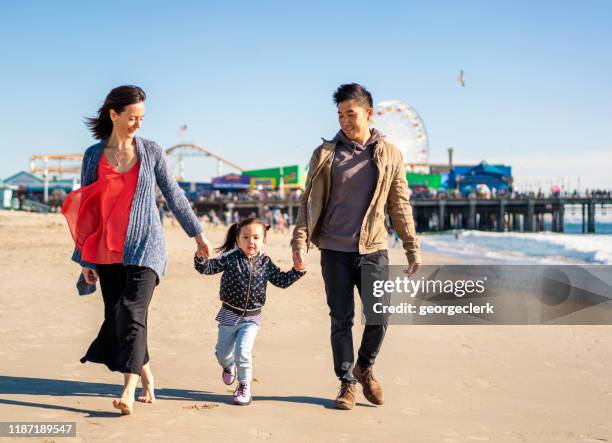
375 136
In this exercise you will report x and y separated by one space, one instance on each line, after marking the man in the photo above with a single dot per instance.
350 180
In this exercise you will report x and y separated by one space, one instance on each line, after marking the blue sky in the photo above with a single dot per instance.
253 80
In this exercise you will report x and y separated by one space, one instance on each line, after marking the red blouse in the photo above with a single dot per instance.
98 214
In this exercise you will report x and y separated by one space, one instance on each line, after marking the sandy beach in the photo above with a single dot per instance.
442 383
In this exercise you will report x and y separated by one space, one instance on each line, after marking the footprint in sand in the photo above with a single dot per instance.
411 411
260 435
466 349
433 398
479 438
450 435
203 406
482 382
587 439
402 381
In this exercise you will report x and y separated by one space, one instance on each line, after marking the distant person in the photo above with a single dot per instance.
246 272
162 211
281 222
396 239
351 179
119 240
227 217
212 215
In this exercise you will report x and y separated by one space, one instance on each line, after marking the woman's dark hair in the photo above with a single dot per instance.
120 97
234 231
353 91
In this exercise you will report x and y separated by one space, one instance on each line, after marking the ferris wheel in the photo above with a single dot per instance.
403 127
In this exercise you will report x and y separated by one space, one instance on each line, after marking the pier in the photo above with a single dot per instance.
517 215
500 215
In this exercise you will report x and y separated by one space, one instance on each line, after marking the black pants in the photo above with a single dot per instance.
341 273
122 341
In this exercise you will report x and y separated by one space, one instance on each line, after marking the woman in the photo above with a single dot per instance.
119 240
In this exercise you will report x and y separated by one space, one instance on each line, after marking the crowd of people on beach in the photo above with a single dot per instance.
279 220
292 196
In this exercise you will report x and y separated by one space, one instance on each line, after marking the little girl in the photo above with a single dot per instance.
246 271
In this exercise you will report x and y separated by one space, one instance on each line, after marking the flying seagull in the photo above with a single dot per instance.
461 78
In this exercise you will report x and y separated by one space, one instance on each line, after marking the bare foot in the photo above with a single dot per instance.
148 391
124 405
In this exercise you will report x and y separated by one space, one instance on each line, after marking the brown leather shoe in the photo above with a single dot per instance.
346 396
371 388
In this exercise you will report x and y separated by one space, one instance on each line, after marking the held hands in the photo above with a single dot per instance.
203 245
90 275
299 260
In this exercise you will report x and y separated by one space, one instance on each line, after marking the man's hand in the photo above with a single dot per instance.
299 260
90 275
204 248
412 267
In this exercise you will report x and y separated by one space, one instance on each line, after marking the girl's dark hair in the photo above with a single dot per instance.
234 231
120 97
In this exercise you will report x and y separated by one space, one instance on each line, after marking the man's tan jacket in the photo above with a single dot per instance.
391 191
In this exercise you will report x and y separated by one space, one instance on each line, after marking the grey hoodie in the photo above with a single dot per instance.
353 182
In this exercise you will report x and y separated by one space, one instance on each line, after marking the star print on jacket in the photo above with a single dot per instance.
244 279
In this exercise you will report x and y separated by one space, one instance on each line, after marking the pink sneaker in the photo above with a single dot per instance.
229 375
242 394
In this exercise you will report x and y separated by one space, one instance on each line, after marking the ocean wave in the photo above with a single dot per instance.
521 248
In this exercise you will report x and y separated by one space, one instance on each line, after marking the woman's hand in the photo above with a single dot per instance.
204 248
90 275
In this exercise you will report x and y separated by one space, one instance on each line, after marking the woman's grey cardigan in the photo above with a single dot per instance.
144 240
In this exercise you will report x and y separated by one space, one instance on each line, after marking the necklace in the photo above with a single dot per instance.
118 157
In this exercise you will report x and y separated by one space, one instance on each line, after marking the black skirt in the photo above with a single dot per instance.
121 343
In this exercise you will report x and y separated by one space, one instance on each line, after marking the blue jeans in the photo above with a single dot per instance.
235 347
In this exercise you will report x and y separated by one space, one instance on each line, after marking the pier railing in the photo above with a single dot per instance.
499 214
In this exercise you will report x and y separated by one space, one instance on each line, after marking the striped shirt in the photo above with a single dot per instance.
230 318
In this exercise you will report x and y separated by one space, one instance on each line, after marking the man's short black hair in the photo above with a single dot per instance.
353 91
